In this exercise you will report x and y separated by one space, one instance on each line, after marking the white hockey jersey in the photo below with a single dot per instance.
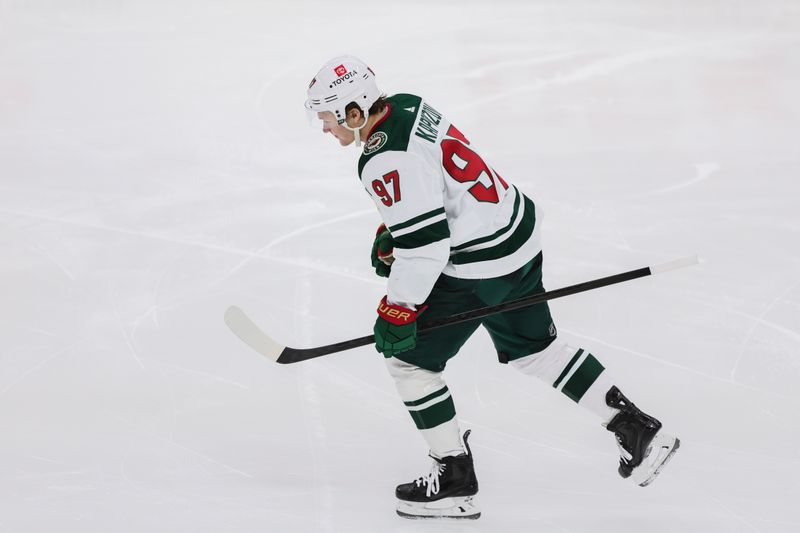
446 209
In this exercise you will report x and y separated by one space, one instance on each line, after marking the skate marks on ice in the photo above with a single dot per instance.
760 320
661 361
703 171
615 63
38 366
260 253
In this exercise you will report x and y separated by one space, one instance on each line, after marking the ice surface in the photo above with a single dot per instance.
155 167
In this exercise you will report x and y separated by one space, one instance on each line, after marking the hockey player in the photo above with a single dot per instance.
458 236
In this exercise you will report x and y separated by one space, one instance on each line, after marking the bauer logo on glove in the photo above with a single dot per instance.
395 328
396 315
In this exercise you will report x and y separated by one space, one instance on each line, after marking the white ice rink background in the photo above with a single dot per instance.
156 167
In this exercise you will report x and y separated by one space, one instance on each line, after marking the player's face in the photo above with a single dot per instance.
330 125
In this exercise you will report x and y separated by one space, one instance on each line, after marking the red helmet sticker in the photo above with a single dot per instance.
340 70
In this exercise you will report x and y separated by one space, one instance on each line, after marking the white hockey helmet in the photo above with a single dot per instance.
340 81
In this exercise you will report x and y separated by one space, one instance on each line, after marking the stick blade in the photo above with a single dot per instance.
244 328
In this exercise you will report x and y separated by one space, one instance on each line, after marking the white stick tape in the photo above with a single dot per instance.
672 265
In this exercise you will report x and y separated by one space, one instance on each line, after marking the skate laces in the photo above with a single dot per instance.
432 479
625 455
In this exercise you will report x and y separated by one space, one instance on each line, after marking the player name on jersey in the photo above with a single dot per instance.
429 120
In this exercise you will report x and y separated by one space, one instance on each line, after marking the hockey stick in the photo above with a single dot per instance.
250 334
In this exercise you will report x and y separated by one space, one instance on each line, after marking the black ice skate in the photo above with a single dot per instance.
643 448
448 491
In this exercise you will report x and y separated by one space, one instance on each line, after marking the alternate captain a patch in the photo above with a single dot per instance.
375 142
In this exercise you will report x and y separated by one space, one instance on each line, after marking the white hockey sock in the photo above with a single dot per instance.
594 399
573 371
444 439
430 405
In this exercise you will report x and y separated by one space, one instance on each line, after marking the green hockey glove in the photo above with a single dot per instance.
382 252
395 329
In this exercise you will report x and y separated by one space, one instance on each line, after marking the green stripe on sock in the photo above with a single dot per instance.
416 219
435 414
426 235
568 368
427 398
583 378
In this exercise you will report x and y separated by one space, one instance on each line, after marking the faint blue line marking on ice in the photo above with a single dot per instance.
314 423
314 419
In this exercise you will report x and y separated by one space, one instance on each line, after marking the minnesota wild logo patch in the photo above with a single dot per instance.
375 142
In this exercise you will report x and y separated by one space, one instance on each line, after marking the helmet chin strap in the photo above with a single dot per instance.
357 130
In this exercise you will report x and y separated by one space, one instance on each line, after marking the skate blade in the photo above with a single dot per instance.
664 449
456 508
